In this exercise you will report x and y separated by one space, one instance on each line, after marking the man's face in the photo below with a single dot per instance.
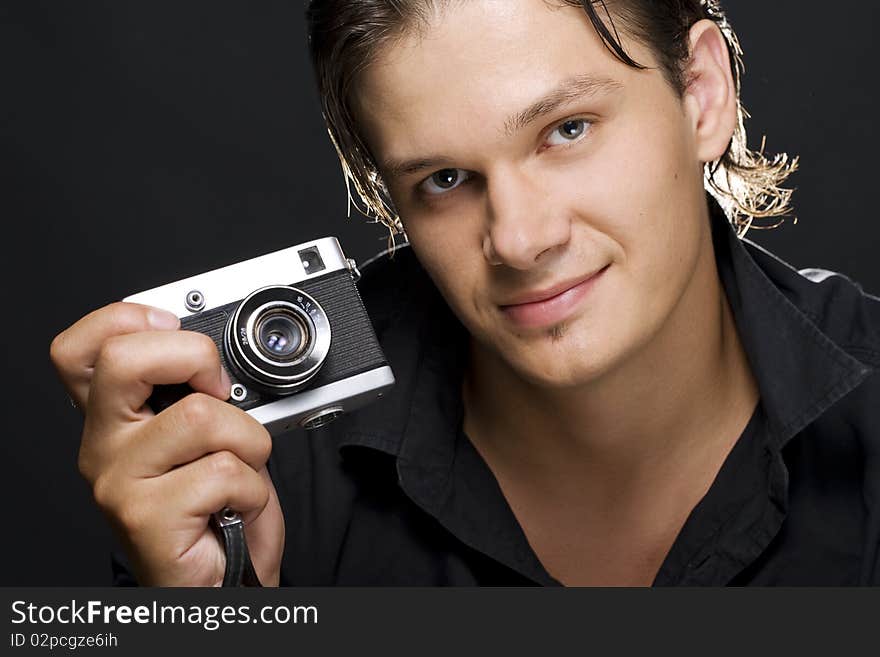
524 158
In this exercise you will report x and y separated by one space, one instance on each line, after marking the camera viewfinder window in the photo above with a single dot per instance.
311 260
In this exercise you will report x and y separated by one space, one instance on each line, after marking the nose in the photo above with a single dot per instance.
525 221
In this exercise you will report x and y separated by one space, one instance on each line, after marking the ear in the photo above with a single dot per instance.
710 98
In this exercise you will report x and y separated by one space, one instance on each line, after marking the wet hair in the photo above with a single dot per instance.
345 37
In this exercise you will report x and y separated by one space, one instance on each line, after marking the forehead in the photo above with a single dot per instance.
475 62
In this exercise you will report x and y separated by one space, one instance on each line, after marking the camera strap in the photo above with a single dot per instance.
239 568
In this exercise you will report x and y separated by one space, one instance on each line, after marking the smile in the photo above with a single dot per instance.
545 309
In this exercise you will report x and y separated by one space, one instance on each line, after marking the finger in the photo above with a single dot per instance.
262 533
214 482
74 351
128 366
191 428
164 517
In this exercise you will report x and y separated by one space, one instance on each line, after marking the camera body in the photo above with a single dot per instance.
291 330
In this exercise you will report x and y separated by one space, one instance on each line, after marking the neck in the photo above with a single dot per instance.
676 405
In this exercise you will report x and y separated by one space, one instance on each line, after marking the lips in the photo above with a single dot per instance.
550 305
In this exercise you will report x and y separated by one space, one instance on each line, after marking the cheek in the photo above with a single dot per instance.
450 258
650 186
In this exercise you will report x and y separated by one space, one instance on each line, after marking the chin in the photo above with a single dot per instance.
558 357
563 378
560 368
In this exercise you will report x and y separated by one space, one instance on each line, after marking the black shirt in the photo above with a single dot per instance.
395 494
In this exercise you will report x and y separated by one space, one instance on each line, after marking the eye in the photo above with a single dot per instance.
568 132
443 181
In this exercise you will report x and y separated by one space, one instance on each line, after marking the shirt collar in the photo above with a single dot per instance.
801 371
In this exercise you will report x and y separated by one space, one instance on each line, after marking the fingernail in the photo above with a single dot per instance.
162 319
225 381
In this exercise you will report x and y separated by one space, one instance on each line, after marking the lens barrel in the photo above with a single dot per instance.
278 338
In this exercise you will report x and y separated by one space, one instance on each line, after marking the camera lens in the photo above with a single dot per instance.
277 339
281 335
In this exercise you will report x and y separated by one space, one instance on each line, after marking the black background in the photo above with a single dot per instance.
141 142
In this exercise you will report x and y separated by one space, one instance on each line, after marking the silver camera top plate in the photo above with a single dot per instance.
234 282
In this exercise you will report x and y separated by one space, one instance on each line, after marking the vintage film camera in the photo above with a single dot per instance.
291 330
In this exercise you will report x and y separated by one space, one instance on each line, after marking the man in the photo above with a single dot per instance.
598 383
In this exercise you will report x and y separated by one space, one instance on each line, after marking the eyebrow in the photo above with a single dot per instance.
578 87
571 89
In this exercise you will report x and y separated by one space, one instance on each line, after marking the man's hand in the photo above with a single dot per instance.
160 477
